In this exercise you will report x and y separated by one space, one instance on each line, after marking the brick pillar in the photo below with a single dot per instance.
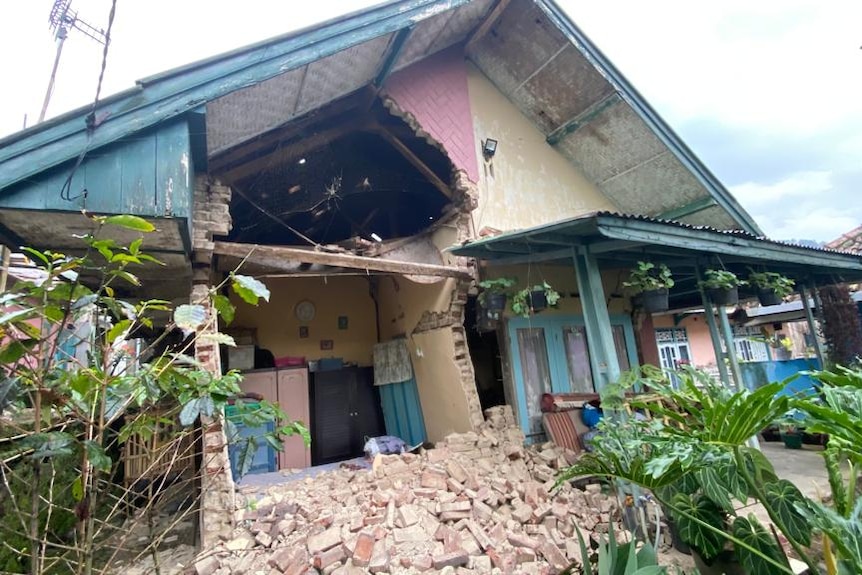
210 217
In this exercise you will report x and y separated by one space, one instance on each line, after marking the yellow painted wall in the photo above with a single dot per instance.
278 328
527 183
438 378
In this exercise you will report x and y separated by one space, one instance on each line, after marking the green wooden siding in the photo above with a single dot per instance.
148 174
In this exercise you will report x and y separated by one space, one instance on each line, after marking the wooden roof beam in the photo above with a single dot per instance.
285 152
415 160
591 113
486 25
283 257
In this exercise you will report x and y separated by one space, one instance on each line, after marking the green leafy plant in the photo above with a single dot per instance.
85 374
781 285
648 276
693 455
522 301
720 280
494 286
615 558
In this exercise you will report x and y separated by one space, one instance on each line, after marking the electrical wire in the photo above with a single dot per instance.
65 191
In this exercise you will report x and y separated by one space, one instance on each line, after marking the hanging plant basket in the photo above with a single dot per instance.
487 320
537 300
768 297
655 300
723 296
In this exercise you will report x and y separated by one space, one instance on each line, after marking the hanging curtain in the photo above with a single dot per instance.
392 362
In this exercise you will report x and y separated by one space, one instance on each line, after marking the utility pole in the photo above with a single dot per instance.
61 20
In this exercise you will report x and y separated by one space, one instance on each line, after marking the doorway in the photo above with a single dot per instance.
550 355
484 349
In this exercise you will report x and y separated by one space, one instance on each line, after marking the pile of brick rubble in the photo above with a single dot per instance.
478 502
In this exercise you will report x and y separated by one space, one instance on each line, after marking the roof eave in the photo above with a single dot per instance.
646 112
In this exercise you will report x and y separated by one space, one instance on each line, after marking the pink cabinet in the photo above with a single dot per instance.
293 399
288 388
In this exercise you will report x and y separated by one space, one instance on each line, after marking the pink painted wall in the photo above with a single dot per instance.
699 342
435 92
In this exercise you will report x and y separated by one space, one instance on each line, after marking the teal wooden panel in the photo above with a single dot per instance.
173 170
402 411
149 174
138 178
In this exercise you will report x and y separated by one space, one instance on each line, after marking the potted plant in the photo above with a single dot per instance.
652 282
771 287
791 429
722 286
534 299
492 298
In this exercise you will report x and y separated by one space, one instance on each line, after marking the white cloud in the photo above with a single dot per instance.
803 205
756 195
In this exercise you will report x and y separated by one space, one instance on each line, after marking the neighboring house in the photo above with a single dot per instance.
685 338
355 154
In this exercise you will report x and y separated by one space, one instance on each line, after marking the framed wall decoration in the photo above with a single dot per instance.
342 322
303 331
326 344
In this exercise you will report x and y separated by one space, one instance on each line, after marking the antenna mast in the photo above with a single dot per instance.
61 20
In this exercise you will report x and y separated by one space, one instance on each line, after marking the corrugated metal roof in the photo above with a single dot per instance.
619 241
642 218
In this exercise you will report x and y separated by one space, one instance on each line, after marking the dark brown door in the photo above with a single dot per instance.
346 411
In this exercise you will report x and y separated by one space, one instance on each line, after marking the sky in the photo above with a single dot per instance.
768 93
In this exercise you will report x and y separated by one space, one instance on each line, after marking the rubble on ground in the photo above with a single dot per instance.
480 502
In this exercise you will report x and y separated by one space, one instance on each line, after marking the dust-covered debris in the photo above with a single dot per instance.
480 502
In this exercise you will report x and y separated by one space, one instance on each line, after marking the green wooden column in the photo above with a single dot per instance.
727 335
600 335
714 335
812 327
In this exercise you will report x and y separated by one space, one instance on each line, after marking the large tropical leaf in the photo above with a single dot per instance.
784 498
844 532
609 464
130 222
713 487
189 317
750 531
690 513
249 289
224 308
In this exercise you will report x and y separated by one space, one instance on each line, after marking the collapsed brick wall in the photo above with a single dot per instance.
452 319
210 217
478 502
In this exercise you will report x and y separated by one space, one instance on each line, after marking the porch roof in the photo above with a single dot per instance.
620 240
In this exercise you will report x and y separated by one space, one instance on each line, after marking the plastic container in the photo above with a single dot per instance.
289 361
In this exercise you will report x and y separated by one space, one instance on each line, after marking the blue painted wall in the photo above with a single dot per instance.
148 174
758 373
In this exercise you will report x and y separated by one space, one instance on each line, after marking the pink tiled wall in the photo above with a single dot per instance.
435 92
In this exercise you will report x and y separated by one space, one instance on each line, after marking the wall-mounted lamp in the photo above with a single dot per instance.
489 148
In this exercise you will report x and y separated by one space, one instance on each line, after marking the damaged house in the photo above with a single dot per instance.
370 170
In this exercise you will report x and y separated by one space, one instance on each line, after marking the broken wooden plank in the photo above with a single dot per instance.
282 257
